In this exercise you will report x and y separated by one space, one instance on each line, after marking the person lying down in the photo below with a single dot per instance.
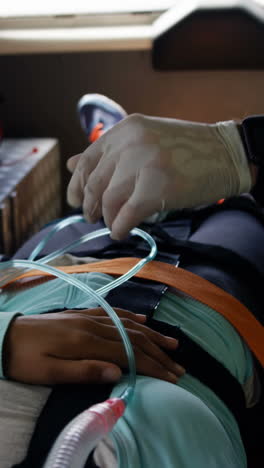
56 345
56 336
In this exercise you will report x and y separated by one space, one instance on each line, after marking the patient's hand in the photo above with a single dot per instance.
83 346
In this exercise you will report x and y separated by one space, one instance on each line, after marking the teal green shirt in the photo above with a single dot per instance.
167 425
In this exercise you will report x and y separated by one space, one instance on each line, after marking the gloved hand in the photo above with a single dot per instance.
145 165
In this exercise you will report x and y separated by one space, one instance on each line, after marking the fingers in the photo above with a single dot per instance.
117 193
83 165
72 162
100 312
124 181
95 187
122 175
57 371
151 362
129 320
147 349
43 349
150 186
86 163
150 359
108 187
95 340
158 338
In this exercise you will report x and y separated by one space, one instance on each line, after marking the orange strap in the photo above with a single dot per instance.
200 289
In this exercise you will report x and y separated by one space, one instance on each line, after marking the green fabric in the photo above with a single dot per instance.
183 425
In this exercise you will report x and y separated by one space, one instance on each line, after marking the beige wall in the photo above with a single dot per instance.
41 92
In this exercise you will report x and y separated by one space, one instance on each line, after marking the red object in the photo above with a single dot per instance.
96 132
220 201
106 414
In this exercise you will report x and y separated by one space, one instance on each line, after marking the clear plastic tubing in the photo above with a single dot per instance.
55 228
102 232
12 273
96 295
82 434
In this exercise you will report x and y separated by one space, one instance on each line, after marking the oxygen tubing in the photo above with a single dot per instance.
55 228
11 274
100 300
25 264
75 443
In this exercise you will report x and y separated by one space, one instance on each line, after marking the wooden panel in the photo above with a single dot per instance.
6 228
30 189
38 198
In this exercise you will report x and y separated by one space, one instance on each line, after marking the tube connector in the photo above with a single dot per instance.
81 435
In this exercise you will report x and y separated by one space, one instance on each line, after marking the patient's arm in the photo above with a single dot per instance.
83 346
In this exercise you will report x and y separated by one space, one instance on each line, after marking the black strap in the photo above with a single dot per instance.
204 367
214 375
223 258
